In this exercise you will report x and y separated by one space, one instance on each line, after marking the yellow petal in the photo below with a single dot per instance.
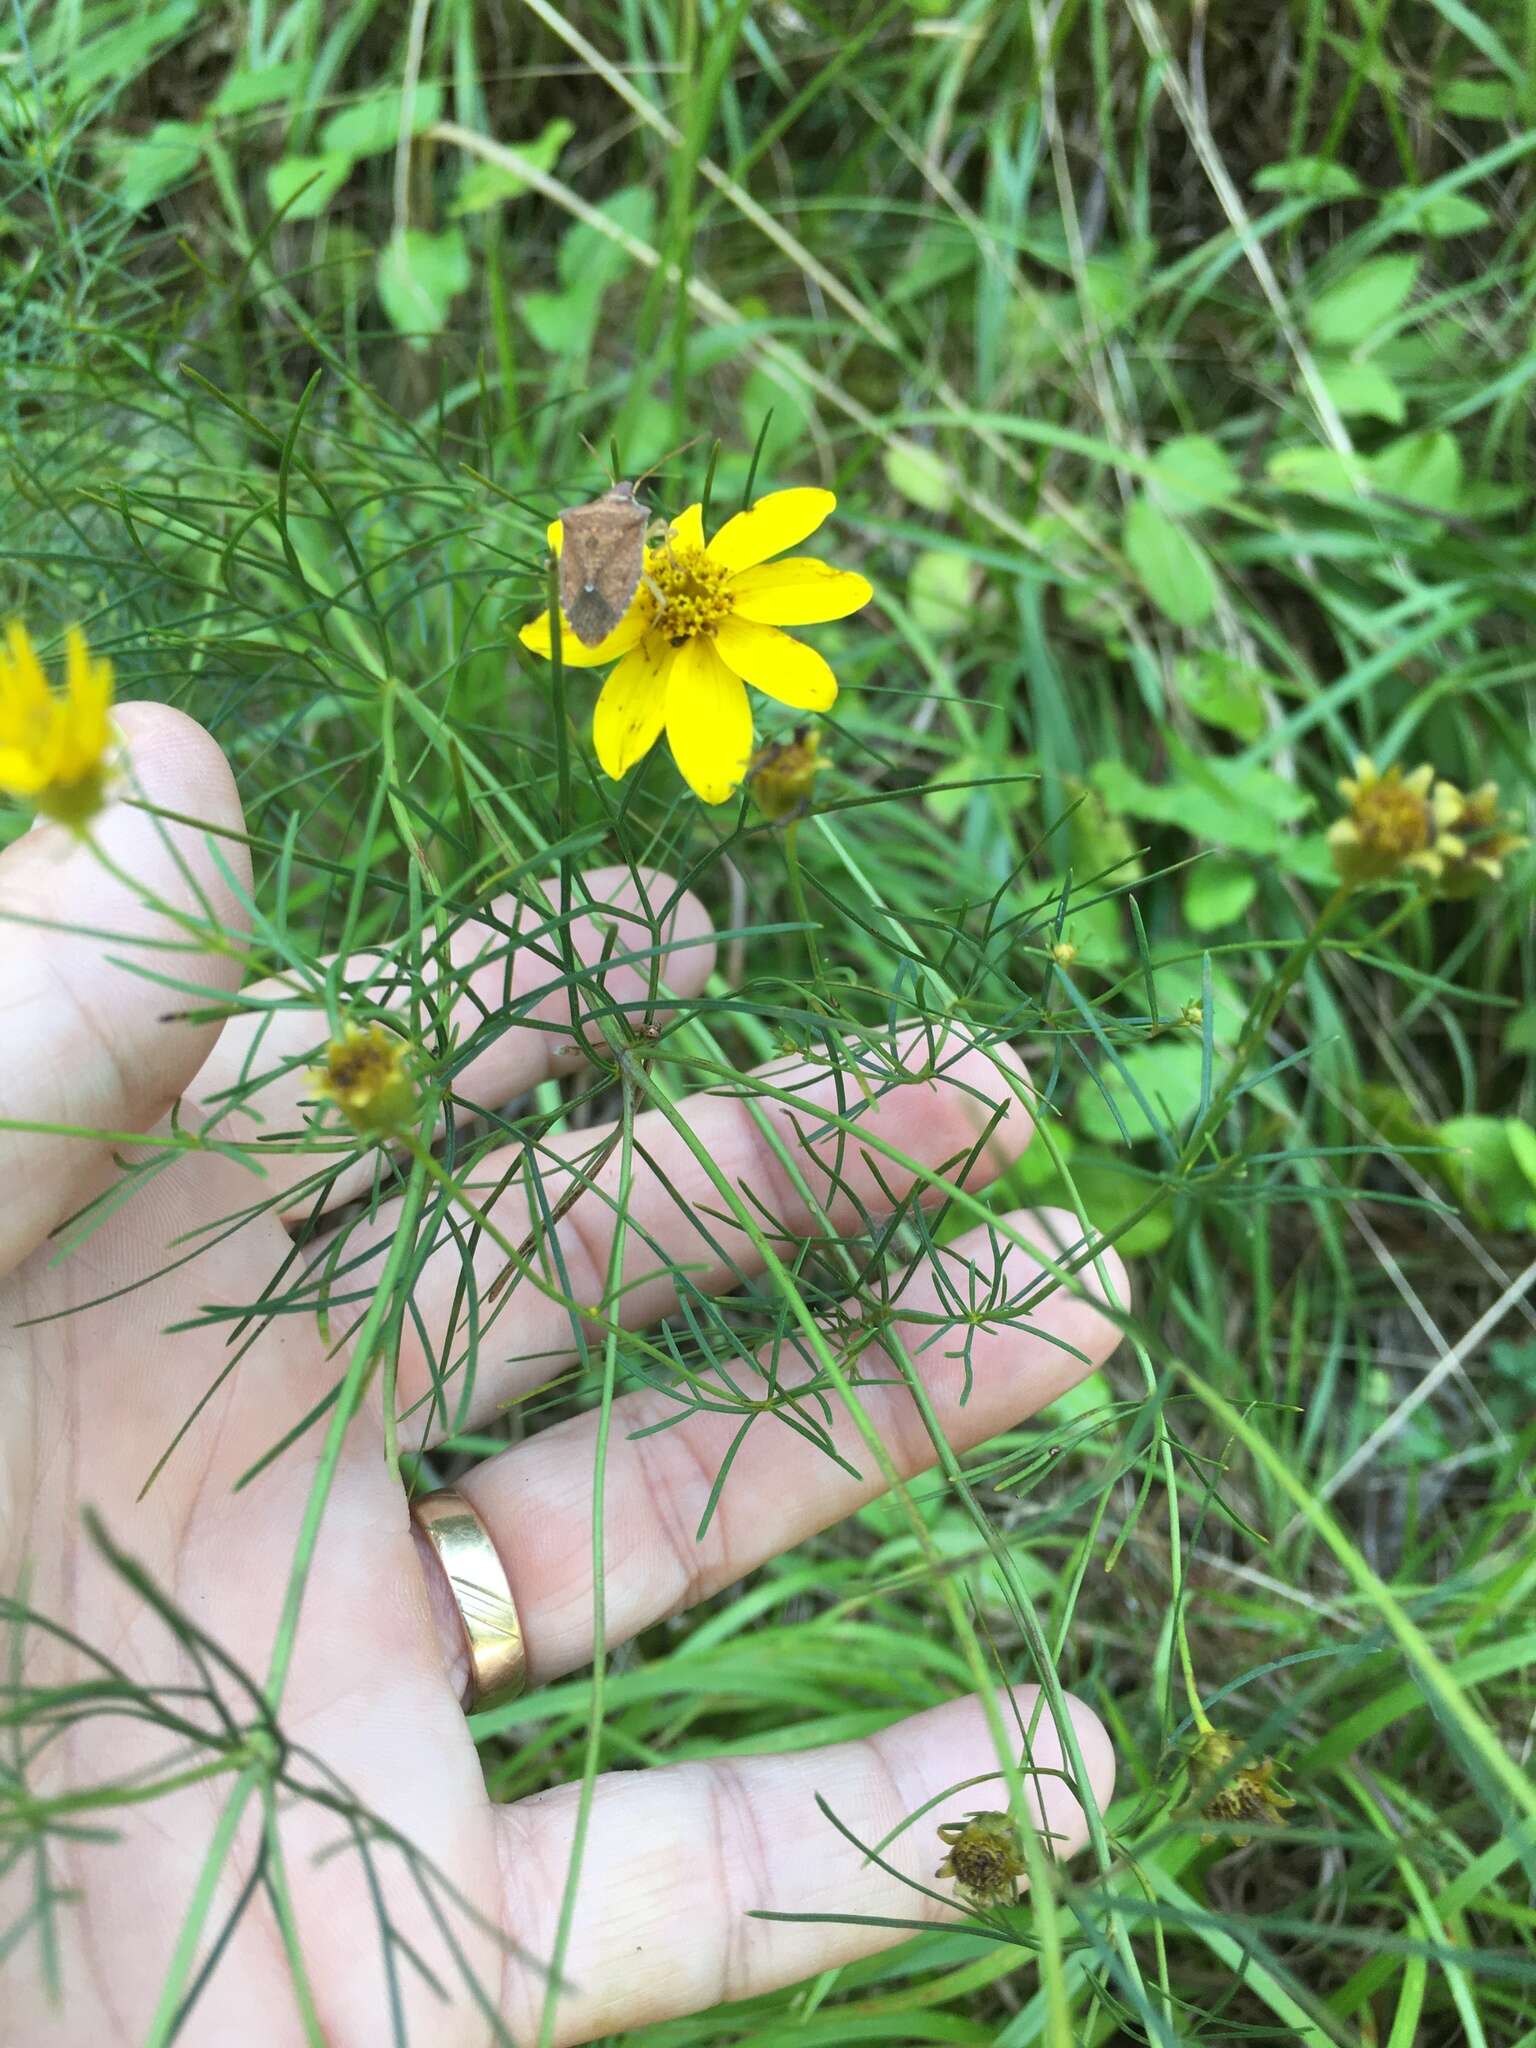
535 636
687 529
780 667
799 591
27 686
709 721
22 773
632 707
90 695
779 521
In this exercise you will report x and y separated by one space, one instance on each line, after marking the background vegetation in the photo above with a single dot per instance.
1172 367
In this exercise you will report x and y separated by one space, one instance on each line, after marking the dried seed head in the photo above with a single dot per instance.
986 1858
366 1074
783 776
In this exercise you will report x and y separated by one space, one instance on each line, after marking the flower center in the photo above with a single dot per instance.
692 589
1391 819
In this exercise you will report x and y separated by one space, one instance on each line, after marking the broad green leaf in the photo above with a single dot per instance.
1109 1194
1484 1165
1477 99
920 476
1223 690
1317 473
1425 468
243 90
939 592
314 179
1217 892
121 53
419 276
591 260
1522 1143
150 166
374 124
1194 471
1481 498
1035 1168
1099 841
1165 1073
562 322
1364 301
1108 1190
1173 569
1449 213
1114 284
485 185
1231 803
1309 177
1363 391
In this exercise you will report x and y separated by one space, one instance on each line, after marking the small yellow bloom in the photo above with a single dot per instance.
783 776
986 1858
1063 952
1488 837
1397 824
367 1075
55 744
703 624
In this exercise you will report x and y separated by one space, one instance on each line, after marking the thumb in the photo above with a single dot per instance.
85 1043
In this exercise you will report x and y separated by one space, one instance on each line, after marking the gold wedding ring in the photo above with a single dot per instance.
493 1635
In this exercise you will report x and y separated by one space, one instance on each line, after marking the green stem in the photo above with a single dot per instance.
798 900
612 1291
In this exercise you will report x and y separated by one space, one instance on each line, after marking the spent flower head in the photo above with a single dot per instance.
1486 836
783 776
1249 1794
703 624
55 745
986 1858
367 1075
1396 824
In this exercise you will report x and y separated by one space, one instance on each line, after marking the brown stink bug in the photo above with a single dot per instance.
602 556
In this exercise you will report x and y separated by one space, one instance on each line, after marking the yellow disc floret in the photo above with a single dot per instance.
693 593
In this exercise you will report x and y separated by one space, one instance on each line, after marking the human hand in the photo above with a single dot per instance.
101 1374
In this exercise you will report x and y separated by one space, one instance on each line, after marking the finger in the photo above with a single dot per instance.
507 966
982 1376
677 1860
88 946
943 1103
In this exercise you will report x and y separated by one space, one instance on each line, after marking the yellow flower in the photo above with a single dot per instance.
366 1074
783 776
986 1858
54 745
703 624
1397 824
1488 837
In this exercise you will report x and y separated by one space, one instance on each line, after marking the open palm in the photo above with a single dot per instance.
101 1373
